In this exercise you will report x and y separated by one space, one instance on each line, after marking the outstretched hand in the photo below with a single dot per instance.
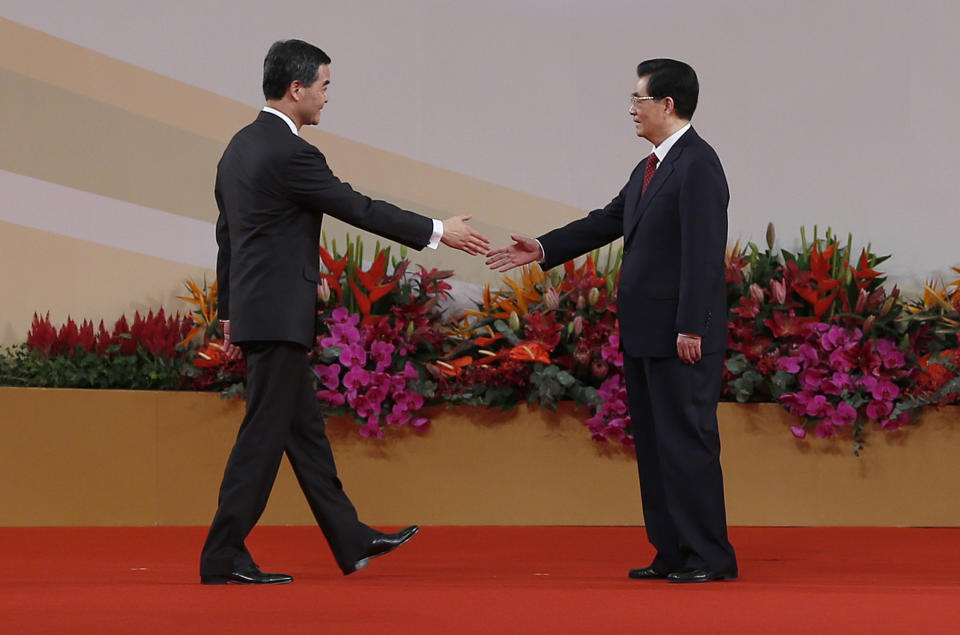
459 235
523 251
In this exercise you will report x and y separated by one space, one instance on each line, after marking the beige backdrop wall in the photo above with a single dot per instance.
108 190
515 111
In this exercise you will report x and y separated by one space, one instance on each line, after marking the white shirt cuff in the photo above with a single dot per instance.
543 254
437 234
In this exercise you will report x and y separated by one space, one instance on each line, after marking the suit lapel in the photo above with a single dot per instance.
659 178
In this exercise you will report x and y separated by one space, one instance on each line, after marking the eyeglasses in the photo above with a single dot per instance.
636 100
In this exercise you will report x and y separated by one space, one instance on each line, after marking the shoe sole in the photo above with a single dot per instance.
221 579
719 578
648 577
362 563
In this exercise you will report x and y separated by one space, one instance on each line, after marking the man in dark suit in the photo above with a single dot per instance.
273 189
671 303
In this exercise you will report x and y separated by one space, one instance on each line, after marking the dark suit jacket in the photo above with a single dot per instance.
672 275
273 189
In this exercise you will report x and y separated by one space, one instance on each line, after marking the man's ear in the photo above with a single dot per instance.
295 90
669 106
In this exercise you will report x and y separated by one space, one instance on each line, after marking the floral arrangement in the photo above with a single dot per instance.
138 355
815 330
547 339
376 329
822 336
210 370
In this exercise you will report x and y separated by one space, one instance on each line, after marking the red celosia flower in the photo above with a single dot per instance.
42 336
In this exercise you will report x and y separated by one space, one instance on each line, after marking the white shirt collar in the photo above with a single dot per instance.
662 149
274 111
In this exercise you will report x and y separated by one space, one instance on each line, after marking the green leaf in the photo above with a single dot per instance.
738 363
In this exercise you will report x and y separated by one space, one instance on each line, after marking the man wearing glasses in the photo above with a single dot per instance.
671 303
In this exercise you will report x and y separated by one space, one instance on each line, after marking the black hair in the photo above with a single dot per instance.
288 61
670 78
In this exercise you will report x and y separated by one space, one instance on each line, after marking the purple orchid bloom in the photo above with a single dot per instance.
889 354
329 375
353 355
808 354
825 430
795 403
844 414
878 410
842 359
885 390
896 424
836 384
819 407
371 429
382 353
331 397
398 417
789 364
355 378
811 378
367 407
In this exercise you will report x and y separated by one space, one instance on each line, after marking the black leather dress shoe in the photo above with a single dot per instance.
648 573
252 576
384 543
701 575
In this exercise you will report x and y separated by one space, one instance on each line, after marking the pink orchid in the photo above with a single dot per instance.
371 429
811 378
331 397
819 407
353 355
878 410
844 414
895 424
398 417
789 364
329 375
342 315
837 383
795 403
382 353
825 430
841 359
355 378
885 389
366 406
808 354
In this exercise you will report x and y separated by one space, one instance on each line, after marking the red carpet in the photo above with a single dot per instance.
481 580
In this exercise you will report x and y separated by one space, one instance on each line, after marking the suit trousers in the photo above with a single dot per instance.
282 416
673 409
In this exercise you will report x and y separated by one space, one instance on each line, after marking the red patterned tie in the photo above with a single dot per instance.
648 173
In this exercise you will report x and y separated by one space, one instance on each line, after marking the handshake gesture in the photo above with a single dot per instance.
523 251
458 235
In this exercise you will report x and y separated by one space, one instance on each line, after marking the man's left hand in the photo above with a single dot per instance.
231 351
688 348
